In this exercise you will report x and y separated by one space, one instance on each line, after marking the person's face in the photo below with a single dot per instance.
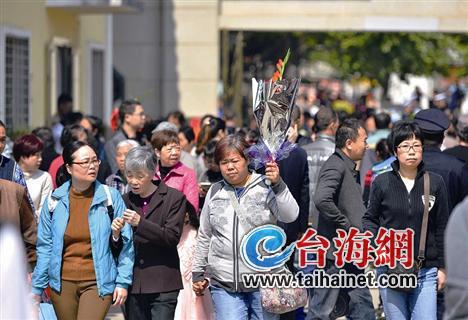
169 154
409 153
137 119
82 136
65 108
140 181
31 163
87 125
356 149
370 124
234 168
174 120
220 134
184 143
85 165
2 139
121 155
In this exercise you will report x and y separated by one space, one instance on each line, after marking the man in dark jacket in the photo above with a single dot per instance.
326 124
132 120
338 199
433 124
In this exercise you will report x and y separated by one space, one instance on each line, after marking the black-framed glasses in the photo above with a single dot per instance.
87 164
408 147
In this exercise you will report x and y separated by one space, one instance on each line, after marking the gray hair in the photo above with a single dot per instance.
141 159
165 125
128 142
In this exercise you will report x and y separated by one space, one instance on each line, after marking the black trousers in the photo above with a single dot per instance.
153 306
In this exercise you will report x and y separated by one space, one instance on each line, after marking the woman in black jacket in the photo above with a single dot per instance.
156 212
397 202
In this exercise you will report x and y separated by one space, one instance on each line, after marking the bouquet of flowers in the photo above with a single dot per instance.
273 101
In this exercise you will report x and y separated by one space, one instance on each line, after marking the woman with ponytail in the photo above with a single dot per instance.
214 129
79 223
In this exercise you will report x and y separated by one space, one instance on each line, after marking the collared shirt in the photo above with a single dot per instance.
182 179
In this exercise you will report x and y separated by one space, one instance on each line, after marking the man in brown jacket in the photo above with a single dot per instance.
15 208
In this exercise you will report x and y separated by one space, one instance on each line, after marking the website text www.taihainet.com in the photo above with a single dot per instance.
320 279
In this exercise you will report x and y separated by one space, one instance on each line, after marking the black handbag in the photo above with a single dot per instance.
399 269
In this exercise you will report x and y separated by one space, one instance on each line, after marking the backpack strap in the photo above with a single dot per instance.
110 207
51 203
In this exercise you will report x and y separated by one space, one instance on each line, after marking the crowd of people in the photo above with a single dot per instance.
152 218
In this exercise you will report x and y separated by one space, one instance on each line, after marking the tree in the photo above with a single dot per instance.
368 54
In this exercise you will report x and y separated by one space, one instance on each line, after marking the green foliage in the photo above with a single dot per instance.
370 55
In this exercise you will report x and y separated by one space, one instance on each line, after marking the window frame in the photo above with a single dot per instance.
17 33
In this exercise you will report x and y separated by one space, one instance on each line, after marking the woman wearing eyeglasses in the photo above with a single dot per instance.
397 201
74 242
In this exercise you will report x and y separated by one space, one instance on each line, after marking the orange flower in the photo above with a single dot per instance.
276 76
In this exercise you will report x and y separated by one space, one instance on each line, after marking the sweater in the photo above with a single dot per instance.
77 254
391 206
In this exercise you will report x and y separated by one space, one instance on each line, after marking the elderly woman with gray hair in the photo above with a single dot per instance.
156 212
118 180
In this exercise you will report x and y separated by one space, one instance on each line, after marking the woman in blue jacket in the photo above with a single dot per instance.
74 252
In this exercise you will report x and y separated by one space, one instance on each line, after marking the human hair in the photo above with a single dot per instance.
295 114
193 218
163 138
405 130
2 125
27 146
323 118
433 138
127 142
71 133
71 118
127 107
381 148
210 148
67 154
165 125
230 142
382 120
45 134
96 124
463 134
188 133
179 116
348 129
208 132
141 158
64 98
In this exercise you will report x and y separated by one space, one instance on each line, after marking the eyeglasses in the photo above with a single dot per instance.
407 147
87 164
172 149
140 114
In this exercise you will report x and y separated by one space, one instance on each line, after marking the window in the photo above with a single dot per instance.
97 83
15 71
64 70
